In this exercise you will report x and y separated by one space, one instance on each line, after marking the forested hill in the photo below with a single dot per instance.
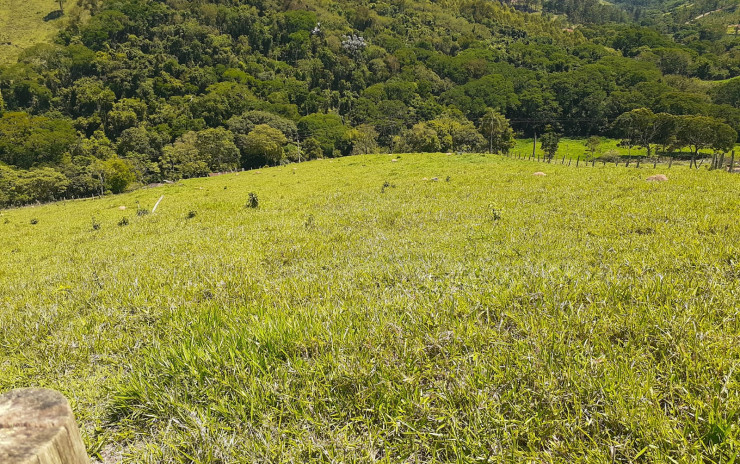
150 90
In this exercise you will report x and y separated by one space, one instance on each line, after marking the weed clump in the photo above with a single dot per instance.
309 222
191 214
141 211
95 224
495 214
386 185
34 221
123 222
252 201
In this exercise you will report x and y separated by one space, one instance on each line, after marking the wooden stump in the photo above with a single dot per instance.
37 427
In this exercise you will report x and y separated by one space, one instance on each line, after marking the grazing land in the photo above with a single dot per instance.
366 312
27 23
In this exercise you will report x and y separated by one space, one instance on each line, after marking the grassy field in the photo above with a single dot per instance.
23 23
365 312
573 148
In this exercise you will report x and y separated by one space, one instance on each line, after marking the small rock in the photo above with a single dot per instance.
657 178
539 174
394 160
434 179
122 208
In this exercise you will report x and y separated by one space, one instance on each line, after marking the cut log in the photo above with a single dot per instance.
37 427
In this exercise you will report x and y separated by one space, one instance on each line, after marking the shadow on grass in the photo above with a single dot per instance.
56 14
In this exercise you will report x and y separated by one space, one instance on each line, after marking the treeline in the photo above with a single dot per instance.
643 128
146 91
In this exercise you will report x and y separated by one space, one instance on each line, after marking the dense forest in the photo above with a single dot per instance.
141 91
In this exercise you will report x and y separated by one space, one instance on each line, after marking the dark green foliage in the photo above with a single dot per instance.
148 91
550 141
252 200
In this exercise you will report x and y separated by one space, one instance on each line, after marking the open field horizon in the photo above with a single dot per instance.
365 312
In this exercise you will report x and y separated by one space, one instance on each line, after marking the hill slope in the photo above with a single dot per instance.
24 23
364 312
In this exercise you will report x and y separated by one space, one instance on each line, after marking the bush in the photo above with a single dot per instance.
253 201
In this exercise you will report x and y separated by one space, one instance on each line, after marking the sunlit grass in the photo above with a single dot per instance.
23 24
487 316
570 148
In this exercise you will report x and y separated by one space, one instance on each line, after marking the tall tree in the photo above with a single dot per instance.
496 129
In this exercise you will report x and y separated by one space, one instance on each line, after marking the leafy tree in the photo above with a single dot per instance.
264 145
19 186
549 142
244 123
728 93
700 132
183 159
311 148
113 174
593 144
421 138
496 129
327 129
364 139
27 140
126 113
217 148
639 127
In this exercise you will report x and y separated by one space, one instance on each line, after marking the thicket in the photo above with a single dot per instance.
145 90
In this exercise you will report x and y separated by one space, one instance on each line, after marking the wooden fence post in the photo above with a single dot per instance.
37 427
732 162
578 160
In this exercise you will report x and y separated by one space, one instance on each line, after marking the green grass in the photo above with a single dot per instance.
22 25
573 148
366 314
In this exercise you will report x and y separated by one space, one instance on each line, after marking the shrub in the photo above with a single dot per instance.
253 201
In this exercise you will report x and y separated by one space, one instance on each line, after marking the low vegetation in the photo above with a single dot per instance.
435 308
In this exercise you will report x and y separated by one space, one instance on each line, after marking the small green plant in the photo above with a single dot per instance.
192 214
123 221
34 221
252 200
309 222
95 224
495 214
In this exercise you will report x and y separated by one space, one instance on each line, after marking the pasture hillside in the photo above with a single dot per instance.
410 308
27 23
